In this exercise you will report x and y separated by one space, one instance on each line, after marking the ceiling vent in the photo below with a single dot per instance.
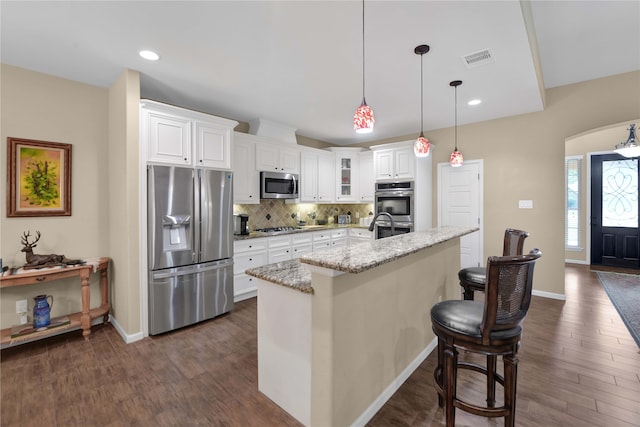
478 59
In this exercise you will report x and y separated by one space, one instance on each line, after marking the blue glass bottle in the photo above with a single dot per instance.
42 311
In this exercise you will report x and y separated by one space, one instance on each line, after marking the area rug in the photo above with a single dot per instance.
624 293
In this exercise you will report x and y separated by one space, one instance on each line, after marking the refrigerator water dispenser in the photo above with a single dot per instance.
174 232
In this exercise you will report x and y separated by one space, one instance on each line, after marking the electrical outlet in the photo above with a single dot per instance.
21 306
23 318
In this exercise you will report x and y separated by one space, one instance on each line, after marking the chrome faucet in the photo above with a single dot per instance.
373 222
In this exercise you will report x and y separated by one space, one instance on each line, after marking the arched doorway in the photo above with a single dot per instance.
594 142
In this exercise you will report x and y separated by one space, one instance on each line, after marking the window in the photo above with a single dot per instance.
573 199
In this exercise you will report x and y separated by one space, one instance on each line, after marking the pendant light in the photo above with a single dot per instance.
629 148
456 157
422 147
363 120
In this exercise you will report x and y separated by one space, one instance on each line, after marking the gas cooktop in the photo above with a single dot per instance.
273 230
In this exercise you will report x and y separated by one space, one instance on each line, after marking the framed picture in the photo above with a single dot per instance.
39 178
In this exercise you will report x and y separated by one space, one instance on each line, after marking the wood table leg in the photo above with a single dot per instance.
85 318
104 288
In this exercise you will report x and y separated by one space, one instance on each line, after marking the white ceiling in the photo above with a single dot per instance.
299 63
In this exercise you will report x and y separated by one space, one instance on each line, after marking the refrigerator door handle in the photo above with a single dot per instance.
174 272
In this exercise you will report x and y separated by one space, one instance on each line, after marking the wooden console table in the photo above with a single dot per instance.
81 319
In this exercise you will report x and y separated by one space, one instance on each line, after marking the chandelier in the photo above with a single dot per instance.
629 148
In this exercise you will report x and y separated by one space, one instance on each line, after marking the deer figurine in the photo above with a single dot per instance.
34 261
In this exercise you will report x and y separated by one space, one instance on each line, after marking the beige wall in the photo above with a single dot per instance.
599 140
102 126
524 159
124 200
42 107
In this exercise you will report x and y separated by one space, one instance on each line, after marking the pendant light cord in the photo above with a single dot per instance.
421 98
455 91
363 100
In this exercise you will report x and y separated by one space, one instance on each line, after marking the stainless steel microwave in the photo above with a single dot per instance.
279 185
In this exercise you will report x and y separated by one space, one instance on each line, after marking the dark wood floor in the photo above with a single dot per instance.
578 367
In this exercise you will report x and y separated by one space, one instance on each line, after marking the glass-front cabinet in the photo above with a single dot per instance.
347 174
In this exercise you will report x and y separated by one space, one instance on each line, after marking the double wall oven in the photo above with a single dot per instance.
396 199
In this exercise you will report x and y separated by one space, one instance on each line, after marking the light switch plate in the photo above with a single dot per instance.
525 204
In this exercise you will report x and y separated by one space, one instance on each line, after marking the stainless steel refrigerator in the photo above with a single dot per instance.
190 245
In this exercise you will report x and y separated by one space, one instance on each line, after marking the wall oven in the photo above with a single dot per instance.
396 199
279 185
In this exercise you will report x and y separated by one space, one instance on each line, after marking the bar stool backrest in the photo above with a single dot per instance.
514 241
507 292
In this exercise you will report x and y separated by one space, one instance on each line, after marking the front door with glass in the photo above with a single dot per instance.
615 240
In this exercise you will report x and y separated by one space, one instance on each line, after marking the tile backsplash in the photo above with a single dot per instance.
278 213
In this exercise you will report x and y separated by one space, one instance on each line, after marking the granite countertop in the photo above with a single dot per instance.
302 229
355 258
291 274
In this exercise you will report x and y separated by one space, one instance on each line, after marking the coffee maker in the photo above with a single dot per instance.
241 224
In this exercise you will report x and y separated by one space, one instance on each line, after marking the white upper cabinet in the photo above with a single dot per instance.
326 185
366 181
213 145
178 136
168 137
272 157
316 176
394 163
347 177
246 179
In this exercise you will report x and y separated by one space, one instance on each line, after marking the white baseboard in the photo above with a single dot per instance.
576 261
245 295
551 295
128 338
375 406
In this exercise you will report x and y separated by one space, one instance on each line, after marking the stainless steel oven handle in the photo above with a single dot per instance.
394 193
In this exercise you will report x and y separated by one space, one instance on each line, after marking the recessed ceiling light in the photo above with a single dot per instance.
150 55
474 102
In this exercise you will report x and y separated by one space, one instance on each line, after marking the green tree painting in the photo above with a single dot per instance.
40 177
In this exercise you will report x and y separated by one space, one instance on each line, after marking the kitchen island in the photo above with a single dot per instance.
340 330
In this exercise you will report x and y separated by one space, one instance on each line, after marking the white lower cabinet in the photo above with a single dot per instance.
251 253
301 244
339 238
359 235
279 248
321 240
248 253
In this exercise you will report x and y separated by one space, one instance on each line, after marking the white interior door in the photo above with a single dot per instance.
460 203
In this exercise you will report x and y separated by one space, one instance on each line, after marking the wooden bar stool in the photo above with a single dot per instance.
492 328
474 278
